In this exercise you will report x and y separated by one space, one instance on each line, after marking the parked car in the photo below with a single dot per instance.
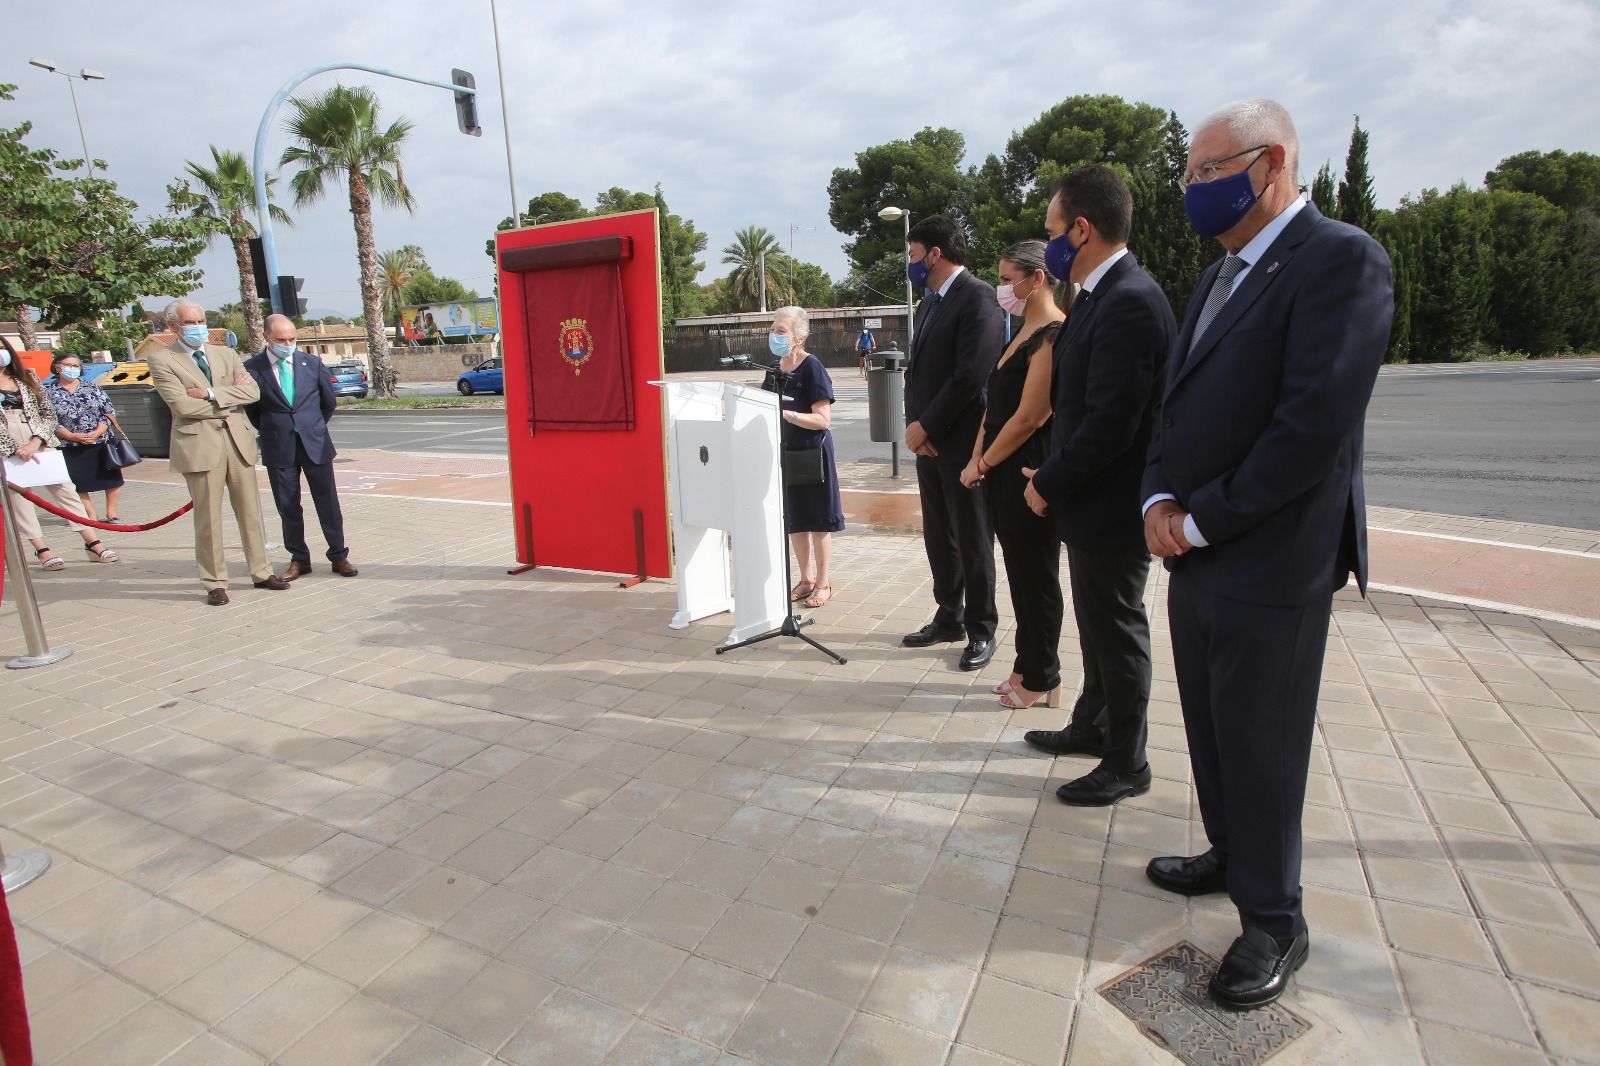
487 376
349 378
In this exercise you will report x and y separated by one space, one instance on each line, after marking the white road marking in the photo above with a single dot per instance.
1482 540
1490 605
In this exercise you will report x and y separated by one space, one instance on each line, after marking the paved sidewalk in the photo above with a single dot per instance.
437 814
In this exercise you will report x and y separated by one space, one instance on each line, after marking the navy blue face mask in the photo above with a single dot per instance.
917 272
1059 254
1215 207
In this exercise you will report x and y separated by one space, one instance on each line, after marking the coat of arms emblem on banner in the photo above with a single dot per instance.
576 344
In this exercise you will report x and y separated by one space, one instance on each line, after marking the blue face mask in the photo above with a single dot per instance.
780 344
283 351
71 373
1215 207
918 272
195 336
1059 254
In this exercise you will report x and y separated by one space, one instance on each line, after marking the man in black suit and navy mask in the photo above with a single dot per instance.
1253 495
1110 360
292 417
959 332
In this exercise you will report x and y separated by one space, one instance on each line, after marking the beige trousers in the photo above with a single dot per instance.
205 489
28 515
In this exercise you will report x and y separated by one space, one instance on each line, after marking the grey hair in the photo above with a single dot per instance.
1029 255
799 321
174 311
1258 120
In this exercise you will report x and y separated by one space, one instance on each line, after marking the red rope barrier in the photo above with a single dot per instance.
109 526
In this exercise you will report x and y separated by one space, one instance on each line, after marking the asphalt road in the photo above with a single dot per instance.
1516 441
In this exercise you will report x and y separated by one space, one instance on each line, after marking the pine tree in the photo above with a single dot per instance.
1357 205
1322 192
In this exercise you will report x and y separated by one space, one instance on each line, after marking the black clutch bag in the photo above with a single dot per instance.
803 466
120 451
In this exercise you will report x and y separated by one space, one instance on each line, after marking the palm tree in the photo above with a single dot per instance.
745 253
339 136
396 270
227 192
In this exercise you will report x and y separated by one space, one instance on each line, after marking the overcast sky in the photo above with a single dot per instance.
743 110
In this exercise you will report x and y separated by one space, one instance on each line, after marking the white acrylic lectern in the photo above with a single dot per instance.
723 454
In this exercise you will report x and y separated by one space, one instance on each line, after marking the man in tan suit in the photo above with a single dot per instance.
213 445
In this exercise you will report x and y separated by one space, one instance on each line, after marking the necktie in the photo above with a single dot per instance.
286 380
200 361
1221 289
927 319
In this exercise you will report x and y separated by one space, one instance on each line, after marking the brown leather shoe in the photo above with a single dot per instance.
343 568
217 598
273 583
296 569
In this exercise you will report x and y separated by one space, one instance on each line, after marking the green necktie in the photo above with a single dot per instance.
200 361
286 380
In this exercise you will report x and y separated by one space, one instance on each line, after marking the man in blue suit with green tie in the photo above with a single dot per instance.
292 417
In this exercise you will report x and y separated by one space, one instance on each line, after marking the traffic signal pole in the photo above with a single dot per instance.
263 217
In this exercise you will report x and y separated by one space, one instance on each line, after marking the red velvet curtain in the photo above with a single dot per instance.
578 348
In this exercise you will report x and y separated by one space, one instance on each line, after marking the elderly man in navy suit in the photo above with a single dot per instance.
1253 496
292 416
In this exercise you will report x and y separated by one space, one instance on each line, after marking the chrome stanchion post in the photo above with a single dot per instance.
22 869
39 653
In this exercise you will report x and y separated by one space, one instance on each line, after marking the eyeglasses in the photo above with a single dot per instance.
1207 171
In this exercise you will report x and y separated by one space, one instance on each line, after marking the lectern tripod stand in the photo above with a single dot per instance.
791 624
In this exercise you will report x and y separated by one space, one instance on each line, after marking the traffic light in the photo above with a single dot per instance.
466 103
289 293
258 267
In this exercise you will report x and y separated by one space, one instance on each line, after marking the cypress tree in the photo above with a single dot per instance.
1322 193
1356 203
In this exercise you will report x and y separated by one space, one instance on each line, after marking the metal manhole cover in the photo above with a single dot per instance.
1166 997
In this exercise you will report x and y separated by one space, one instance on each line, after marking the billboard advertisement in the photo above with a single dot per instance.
450 318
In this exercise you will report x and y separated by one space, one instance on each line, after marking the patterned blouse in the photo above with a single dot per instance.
82 411
33 419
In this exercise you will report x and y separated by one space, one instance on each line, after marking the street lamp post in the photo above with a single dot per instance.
87 75
889 214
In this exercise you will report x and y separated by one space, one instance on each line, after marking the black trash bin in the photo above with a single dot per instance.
145 416
886 408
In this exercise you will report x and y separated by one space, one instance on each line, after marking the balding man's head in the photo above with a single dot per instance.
280 329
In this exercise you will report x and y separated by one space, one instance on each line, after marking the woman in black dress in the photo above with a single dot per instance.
814 513
1016 435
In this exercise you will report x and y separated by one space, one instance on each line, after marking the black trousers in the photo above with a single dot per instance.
960 547
1248 676
285 482
1114 638
1032 555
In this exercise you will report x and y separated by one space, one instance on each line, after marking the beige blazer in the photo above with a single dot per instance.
200 428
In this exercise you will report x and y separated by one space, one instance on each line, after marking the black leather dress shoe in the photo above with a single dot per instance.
1189 875
977 655
933 633
1103 786
1068 741
1256 970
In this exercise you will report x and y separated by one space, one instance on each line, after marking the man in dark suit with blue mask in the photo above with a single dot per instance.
1253 496
292 418
957 342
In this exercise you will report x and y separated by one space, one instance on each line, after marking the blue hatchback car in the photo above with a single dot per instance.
485 377
349 378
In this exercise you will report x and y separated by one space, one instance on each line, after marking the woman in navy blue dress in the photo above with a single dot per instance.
814 513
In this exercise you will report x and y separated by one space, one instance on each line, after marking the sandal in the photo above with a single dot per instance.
1014 700
1003 687
52 563
102 555
801 591
819 596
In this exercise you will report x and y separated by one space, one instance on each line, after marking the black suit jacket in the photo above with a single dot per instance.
1110 364
1259 435
952 354
314 404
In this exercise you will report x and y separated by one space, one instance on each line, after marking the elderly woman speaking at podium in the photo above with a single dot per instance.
811 502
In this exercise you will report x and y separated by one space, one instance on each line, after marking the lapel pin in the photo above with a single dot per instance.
1273 267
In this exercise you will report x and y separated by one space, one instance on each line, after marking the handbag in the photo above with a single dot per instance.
803 466
120 450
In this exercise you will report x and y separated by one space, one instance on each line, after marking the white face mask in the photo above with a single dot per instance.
5 358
